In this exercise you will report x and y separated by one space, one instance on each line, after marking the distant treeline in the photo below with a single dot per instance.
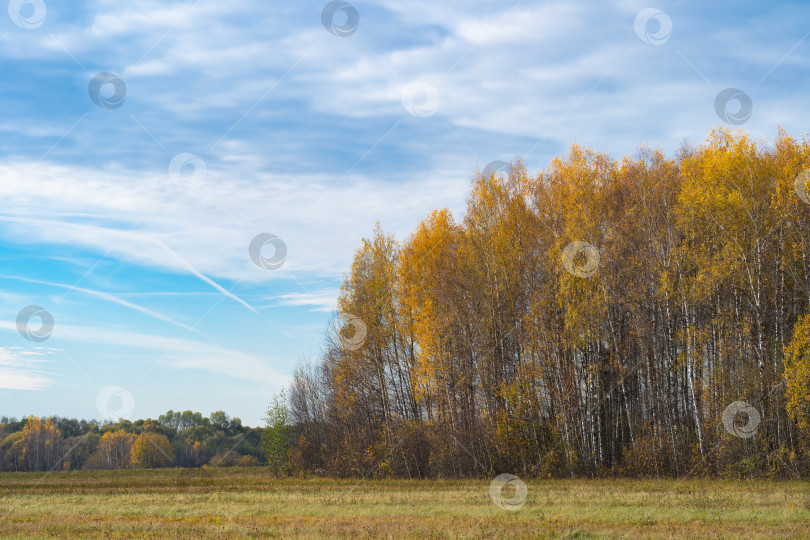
642 317
184 439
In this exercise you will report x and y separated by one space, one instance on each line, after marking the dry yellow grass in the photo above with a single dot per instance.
244 503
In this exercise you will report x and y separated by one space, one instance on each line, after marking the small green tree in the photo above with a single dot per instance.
275 443
220 420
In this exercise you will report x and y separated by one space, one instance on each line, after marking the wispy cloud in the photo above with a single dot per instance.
323 300
21 369
179 353
105 296
147 220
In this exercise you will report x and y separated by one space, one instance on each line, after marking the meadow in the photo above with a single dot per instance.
251 502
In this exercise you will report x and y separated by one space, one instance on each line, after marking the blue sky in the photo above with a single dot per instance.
312 137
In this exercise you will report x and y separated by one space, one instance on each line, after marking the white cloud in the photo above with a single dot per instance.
147 220
19 369
543 24
179 353
561 70
108 297
515 68
323 300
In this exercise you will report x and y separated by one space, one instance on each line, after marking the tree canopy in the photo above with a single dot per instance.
185 439
646 316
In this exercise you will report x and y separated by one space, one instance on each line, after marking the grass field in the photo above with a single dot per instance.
233 503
